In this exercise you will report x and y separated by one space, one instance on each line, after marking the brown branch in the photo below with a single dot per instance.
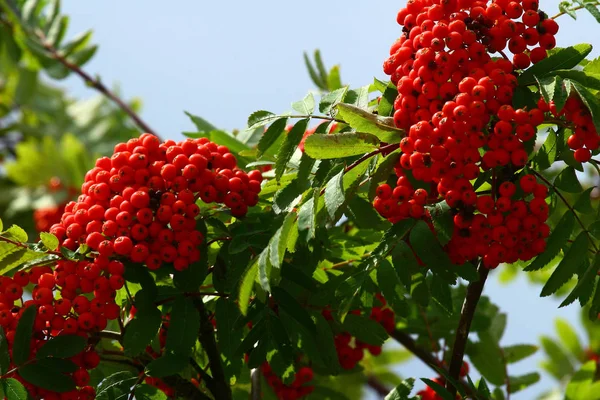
377 386
571 209
474 291
25 246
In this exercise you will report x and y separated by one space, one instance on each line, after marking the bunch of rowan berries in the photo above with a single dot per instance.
455 104
584 138
45 217
54 317
350 350
296 390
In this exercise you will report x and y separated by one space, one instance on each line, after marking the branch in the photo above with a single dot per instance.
377 386
564 200
221 390
474 291
25 246
593 4
255 390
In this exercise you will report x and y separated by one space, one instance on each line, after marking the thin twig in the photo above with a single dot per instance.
571 209
255 390
25 246
135 385
377 386
596 4
208 380
467 313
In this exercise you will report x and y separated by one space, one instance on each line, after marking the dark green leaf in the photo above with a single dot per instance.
568 266
290 144
306 217
291 306
438 389
443 221
591 102
425 244
4 354
440 293
147 392
585 285
584 203
183 326
65 346
167 365
28 82
388 281
141 330
405 263
271 135
326 345
561 59
364 121
365 329
22 343
547 153
46 378
264 270
555 242
340 145
486 356
567 181
115 385
313 74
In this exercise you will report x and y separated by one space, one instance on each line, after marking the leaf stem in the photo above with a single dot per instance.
594 4
467 313
571 209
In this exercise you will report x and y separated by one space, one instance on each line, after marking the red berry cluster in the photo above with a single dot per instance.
429 394
54 317
349 349
45 217
296 390
454 101
140 204
585 138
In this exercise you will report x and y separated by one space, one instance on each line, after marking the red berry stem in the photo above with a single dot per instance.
569 206
474 291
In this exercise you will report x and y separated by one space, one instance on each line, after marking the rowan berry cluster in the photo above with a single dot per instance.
585 138
299 388
54 317
454 101
349 349
45 217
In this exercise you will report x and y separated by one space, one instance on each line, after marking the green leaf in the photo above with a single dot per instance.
331 99
313 73
438 389
364 121
264 270
326 345
334 194
22 342
147 392
320 66
307 215
4 354
405 263
584 202
443 221
340 145
167 365
486 356
81 57
568 337
566 58
583 384
289 146
30 11
49 240
278 243
183 326
425 244
585 285
78 43
46 378
585 78
246 286
441 294
365 329
115 385
14 390
57 30
548 87
201 124
388 281
65 346
140 332
402 391
28 81
547 153
305 106
334 81
271 135
591 102
559 364
518 352
228 335
291 306
565 7
592 9
555 242
518 383
568 266
567 181
261 118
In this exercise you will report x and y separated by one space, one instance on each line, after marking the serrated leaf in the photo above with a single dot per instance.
278 243
593 10
331 99
402 391
291 306
365 329
518 352
261 118
561 59
271 135
518 383
567 181
201 124
167 365
306 106
555 242
429 250
405 263
547 153
24 333
443 221
438 389
306 217
14 390
140 331
548 87
115 385
486 356
290 144
313 73
591 102
583 384
264 270
184 325
334 194
326 345
387 280
441 294
363 121
568 266
585 285
46 378
49 240
227 316
340 145
334 81
65 346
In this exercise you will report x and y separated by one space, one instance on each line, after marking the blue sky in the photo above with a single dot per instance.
224 60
